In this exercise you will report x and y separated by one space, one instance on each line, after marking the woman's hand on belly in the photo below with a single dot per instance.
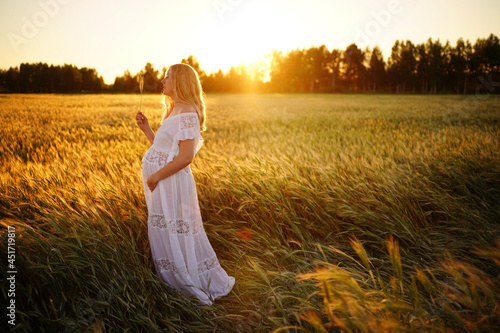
152 181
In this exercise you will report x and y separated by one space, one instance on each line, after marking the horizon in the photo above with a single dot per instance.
226 33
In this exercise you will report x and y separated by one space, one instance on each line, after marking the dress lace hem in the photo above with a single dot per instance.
167 265
175 226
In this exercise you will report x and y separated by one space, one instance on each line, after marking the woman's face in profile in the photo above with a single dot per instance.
167 85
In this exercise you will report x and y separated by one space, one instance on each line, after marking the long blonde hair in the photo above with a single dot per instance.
187 89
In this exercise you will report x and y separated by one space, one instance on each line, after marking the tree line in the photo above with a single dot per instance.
42 78
430 67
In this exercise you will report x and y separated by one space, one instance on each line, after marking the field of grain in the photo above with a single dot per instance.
335 213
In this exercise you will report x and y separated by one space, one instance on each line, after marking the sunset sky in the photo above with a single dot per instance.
114 35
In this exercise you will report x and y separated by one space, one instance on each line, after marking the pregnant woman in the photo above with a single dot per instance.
182 254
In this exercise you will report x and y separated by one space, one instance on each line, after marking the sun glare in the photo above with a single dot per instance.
247 36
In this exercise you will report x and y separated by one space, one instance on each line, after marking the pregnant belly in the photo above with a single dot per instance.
155 156
154 160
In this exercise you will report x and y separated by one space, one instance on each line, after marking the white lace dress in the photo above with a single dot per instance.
182 254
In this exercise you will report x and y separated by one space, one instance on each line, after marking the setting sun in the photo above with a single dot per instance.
253 33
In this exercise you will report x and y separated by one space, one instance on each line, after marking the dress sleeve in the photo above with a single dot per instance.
188 128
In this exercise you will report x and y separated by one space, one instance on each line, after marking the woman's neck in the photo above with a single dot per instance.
177 102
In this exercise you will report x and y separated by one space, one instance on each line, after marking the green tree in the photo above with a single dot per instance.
317 68
91 81
354 69
124 83
333 67
193 62
422 68
485 64
436 58
376 71
403 66
460 60
70 80
152 81
277 71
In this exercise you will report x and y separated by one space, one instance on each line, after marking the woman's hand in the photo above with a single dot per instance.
143 124
152 181
142 121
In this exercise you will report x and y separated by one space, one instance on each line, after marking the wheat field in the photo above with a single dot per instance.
335 213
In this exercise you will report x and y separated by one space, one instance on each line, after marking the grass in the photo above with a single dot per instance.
335 213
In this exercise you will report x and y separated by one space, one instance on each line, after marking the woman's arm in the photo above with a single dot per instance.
143 123
149 134
185 157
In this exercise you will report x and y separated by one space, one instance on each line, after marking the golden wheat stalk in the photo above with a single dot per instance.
140 78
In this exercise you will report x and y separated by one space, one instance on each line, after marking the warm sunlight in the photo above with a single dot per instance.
254 32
